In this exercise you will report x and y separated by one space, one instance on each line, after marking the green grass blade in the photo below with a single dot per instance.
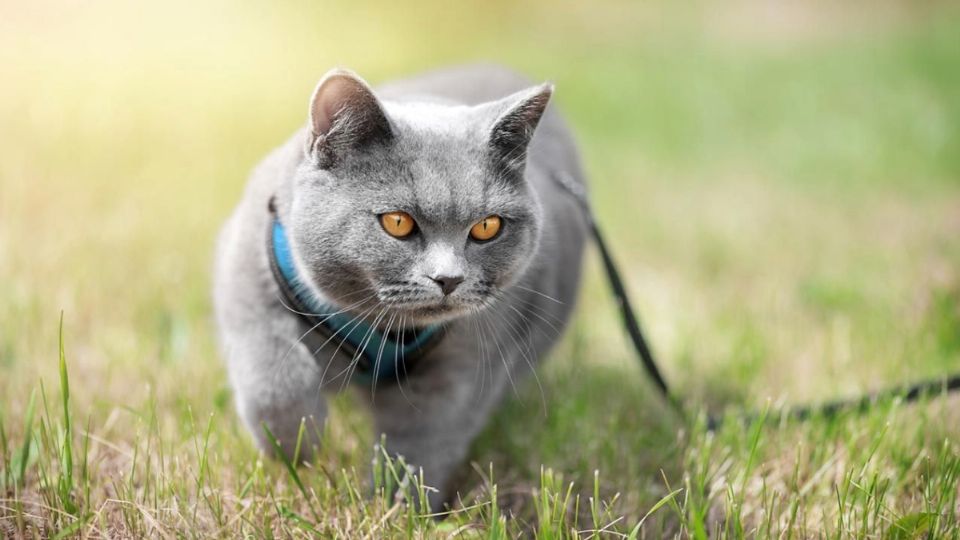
27 438
66 473
72 528
660 504
291 469
298 519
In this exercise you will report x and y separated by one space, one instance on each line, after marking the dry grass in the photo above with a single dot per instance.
782 192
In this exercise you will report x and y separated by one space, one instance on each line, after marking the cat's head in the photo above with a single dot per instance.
418 210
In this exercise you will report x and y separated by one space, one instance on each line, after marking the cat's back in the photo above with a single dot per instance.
469 84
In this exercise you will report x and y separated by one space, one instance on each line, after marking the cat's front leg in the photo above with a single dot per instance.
431 422
277 385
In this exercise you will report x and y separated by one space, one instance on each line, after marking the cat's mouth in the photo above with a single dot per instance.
442 307
442 310
417 306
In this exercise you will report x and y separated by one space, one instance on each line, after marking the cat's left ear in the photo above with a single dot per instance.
513 129
345 116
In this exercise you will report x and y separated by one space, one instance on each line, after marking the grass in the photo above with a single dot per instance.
782 192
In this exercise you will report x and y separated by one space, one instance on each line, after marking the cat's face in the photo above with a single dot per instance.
414 211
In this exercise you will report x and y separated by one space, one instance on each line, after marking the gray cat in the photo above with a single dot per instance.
410 239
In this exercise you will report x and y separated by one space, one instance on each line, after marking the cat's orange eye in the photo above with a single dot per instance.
398 224
486 228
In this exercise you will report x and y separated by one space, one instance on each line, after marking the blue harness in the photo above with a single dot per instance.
379 357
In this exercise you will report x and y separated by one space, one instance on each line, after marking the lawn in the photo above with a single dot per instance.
780 183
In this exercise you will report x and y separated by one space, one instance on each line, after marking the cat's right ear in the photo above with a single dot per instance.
345 116
513 130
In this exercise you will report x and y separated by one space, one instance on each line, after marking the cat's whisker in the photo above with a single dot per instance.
376 365
283 359
532 308
347 371
528 302
396 368
325 319
488 368
476 370
533 324
309 314
482 365
352 323
364 341
543 294
512 332
503 359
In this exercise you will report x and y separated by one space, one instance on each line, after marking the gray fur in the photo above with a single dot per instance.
448 147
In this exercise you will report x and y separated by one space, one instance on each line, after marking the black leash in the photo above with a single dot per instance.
908 393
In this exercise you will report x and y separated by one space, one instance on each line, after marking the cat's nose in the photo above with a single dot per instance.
447 284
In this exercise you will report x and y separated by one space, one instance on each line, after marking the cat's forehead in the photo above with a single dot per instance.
437 186
441 152
430 119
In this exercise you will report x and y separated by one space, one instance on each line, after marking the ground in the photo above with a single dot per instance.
780 183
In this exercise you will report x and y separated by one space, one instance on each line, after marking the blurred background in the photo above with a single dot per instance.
780 181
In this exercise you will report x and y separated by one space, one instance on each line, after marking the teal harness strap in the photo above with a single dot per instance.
379 357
